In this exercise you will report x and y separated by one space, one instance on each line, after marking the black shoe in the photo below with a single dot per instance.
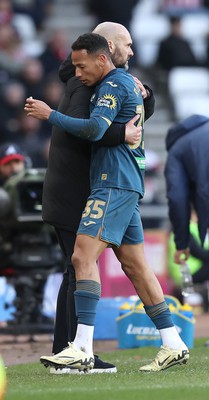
102 367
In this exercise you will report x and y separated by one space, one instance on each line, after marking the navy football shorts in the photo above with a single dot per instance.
115 214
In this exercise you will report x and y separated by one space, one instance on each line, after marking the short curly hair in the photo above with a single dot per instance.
92 43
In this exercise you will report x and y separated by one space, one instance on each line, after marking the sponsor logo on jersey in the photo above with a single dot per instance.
108 100
140 162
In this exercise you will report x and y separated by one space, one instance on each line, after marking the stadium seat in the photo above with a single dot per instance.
186 105
26 29
195 25
193 80
188 88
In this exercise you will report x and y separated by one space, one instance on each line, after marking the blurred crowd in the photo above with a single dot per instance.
30 56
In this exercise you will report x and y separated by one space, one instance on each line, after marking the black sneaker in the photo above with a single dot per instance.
102 367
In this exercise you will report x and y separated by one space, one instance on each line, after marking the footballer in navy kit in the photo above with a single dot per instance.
111 215
116 98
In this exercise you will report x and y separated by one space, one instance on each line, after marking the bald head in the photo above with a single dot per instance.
119 41
111 30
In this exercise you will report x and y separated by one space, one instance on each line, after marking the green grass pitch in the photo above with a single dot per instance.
191 381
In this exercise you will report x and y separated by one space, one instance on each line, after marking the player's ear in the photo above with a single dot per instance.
102 59
111 46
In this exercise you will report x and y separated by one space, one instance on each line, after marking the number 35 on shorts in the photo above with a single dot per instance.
94 209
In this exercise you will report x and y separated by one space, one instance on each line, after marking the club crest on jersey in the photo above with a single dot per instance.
108 100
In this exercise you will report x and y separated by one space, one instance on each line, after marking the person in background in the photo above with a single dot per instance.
174 50
12 161
55 51
12 53
33 140
187 177
12 100
32 77
21 239
198 260
52 93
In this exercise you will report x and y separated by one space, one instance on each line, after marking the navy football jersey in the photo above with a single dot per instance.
117 98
